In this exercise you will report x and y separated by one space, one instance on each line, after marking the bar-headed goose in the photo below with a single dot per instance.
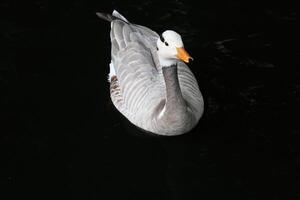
149 83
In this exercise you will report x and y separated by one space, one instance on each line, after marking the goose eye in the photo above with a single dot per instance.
162 38
166 44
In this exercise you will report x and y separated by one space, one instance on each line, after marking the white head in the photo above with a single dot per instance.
170 49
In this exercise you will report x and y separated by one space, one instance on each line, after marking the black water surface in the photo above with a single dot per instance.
61 137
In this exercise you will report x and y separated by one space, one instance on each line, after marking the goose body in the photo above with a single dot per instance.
156 94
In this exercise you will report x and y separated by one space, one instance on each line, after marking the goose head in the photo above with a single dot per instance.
170 49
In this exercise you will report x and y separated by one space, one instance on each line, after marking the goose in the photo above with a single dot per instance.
149 82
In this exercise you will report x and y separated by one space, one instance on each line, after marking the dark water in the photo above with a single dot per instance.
62 138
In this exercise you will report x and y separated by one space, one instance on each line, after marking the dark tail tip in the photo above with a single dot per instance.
105 16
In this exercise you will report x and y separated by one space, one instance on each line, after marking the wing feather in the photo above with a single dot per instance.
132 55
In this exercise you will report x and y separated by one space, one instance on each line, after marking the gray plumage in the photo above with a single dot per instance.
162 100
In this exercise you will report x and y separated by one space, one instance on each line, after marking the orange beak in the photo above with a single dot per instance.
183 55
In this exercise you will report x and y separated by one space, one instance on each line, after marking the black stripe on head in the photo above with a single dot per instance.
162 38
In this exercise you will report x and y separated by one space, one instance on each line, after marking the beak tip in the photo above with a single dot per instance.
189 60
183 55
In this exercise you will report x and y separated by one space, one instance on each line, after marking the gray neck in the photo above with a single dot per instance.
175 104
172 114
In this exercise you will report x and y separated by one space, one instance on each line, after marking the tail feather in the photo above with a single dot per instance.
105 16
119 16
108 17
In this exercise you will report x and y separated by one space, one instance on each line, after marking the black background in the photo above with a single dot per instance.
61 137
